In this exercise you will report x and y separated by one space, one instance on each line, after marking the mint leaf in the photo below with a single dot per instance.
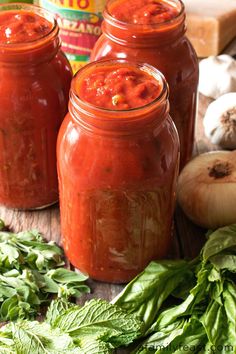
56 309
96 328
38 338
100 320
88 345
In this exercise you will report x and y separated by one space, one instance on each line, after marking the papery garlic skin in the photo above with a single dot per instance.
206 189
217 75
220 121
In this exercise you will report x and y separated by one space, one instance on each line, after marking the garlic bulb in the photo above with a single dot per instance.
220 121
207 189
217 75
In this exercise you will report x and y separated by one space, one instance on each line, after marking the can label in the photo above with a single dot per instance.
80 26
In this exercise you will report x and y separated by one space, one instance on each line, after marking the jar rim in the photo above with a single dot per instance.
151 70
37 10
154 26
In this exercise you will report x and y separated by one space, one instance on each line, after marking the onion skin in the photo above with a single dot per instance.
206 189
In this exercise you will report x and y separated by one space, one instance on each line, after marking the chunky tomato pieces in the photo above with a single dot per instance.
143 12
118 88
23 26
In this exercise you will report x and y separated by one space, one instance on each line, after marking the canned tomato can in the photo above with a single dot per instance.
80 26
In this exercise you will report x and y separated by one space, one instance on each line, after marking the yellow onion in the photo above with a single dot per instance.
207 189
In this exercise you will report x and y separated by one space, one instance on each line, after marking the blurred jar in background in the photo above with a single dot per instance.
80 26
34 84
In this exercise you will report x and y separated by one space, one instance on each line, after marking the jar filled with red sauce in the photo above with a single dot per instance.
153 32
118 157
35 79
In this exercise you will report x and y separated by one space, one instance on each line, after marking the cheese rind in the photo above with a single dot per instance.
211 24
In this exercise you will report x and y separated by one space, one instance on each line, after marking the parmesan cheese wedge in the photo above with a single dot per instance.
211 24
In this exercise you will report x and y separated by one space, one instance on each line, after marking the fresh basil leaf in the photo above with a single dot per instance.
220 240
161 339
229 297
224 261
180 337
192 339
215 323
145 294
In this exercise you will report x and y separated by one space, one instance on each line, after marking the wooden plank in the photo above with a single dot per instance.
47 221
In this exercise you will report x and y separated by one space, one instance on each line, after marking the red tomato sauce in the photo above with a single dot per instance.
34 84
117 175
118 88
160 44
140 12
24 26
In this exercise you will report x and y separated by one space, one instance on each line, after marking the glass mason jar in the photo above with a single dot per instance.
117 178
165 46
35 79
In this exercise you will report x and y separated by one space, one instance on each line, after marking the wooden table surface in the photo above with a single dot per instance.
188 237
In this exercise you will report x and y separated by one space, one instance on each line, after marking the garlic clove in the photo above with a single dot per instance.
217 75
220 121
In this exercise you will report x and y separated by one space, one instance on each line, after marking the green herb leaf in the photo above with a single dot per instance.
40 338
145 294
220 240
214 322
66 276
57 308
100 320
30 273
229 297
183 336
224 261
2 225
